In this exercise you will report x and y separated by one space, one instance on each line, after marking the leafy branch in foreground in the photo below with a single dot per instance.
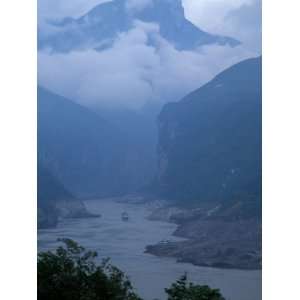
70 273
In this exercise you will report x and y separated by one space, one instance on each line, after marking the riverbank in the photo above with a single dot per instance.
212 240
124 243
63 209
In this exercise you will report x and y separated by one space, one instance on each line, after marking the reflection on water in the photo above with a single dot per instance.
124 243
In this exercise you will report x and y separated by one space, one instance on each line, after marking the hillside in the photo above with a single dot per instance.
92 157
210 142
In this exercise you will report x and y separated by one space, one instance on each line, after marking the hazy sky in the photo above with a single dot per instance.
153 74
238 18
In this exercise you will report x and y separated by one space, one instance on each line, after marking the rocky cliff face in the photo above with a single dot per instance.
216 244
209 159
214 237
210 142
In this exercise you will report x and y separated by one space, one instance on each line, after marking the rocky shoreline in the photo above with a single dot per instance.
211 239
49 217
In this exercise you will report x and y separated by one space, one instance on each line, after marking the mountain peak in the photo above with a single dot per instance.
101 25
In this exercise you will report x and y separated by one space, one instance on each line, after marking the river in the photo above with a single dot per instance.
124 243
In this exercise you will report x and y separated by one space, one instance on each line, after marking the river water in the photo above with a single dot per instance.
124 243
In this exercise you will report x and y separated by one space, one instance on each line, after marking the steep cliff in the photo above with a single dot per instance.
210 142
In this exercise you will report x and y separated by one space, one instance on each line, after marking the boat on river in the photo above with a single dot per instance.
125 216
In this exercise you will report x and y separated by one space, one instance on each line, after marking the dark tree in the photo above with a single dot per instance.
184 290
71 274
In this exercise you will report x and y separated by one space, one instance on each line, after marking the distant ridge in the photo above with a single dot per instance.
89 155
100 26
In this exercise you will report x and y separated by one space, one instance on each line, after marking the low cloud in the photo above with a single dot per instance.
245 23
140 67
137 5
240 19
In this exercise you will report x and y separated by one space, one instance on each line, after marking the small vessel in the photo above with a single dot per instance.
125 216
162 242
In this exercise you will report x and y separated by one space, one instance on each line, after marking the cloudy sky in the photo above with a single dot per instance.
238 18
153 74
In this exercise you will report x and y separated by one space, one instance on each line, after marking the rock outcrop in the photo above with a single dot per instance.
211 238
55 201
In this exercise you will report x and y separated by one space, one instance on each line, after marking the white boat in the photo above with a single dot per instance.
164 242
125 216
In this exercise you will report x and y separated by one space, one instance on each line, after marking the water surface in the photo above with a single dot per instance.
124 243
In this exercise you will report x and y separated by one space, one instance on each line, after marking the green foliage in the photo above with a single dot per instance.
71 274
184 290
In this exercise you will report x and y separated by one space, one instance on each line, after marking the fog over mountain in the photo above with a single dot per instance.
138 49
99 27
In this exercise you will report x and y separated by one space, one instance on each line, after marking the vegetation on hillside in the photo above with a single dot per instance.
184 290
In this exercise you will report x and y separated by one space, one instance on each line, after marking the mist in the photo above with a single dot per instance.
141 60
157 74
